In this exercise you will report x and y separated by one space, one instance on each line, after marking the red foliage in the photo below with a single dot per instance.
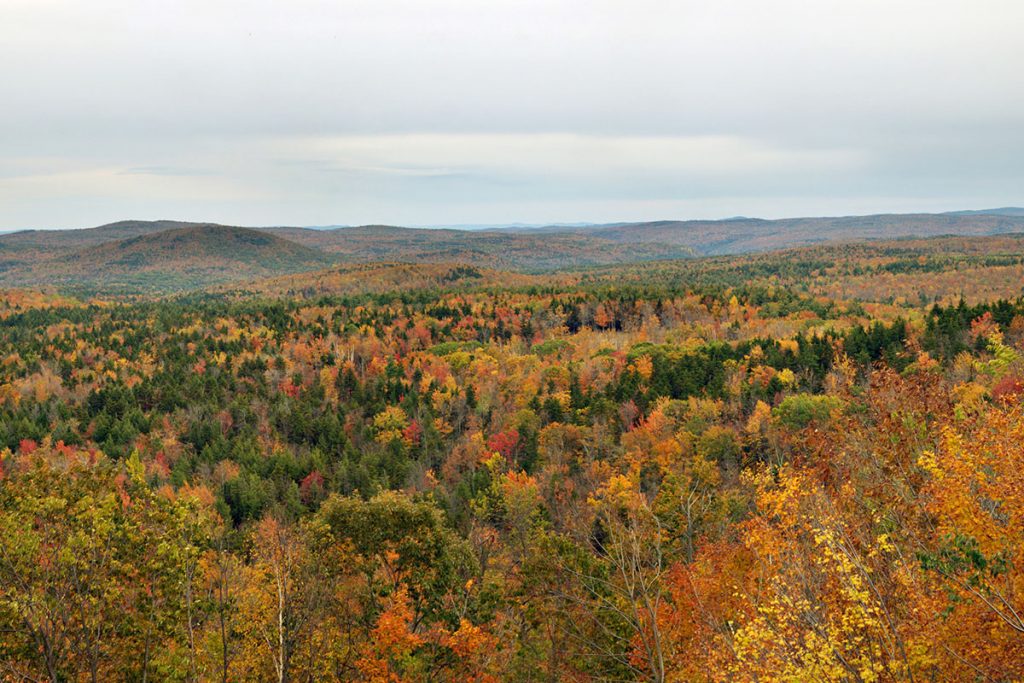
1009 388
413 433
27 446
311 486
504 442
160 466
119 483
983 326
291 390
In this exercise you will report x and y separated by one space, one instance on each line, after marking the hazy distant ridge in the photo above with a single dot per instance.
175 255
737 236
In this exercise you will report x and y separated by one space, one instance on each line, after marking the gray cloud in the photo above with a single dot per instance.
164 171
433 111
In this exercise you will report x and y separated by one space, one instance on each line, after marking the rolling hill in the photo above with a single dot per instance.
387 278
502 249
180 258
742 235
169 256
1002 211
902 272
133 254
34 244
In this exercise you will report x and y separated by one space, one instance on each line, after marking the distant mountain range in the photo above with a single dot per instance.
174 256
742 235
1004 211
167 256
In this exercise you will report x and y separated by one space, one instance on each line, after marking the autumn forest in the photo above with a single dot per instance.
801 465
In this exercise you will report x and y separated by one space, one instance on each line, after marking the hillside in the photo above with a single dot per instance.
502 249
900 273
39 251
1002 211
379 278
905 273
741 235
181 258
31 245
167 256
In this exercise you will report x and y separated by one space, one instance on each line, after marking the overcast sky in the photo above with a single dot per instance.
314 112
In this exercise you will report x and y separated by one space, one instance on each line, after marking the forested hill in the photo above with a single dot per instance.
741 235
167 256
524 251
179 258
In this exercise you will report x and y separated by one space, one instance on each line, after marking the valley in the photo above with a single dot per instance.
465 462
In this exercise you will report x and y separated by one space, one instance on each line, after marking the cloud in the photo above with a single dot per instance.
435 110
164 171
569 154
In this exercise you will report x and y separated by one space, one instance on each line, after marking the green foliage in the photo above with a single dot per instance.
549 347
800 410
451 347
410 538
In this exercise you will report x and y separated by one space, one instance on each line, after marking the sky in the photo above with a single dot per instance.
451 112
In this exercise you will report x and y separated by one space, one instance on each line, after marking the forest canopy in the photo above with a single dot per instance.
777 467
